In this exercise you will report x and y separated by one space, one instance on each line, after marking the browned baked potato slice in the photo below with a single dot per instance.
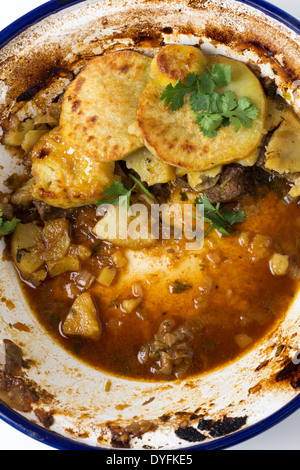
175 138
99 109
64 177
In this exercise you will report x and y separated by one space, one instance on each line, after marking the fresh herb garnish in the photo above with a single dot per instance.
142 187
96 248
21 252
178 287
116 193
213 110
9 226
217 220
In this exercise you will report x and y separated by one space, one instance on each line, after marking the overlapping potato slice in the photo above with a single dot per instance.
64 177
129 229
99 109
175 138
276 112
27 248
150 169
282 153
174 62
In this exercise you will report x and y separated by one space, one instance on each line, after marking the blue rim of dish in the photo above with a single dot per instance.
47 437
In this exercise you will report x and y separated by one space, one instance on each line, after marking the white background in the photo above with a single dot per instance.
284 436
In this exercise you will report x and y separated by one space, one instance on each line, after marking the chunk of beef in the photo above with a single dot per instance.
161 192
47 212
231 185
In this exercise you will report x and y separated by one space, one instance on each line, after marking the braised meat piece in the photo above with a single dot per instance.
230 187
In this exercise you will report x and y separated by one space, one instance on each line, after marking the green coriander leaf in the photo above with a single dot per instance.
234 217
236 122
200 103
219 221
212 109
8 227
116 189
116 193
191 80
208 207
206 133
142 186
229 101
174 95
215 103
221 74
178 287
205 83
209 122
167 94
243 118
224 232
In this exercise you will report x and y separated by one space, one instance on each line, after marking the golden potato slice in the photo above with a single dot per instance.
122 228
64 177
295 190
61 266
27 249
200 180
83 318
175 138
31 138
56 239
251 159
174 62
150 168
276 111
282 153
99 109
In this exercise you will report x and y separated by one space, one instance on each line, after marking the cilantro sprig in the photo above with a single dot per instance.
213 110
116 192
217 220
9 226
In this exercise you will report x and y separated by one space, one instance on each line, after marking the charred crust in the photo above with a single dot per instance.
227 426
76 105
221 427
290 373
190 434
79 83
31 92
205 424
43 153
167 30
92 119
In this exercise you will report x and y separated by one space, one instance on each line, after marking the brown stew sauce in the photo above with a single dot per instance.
231 303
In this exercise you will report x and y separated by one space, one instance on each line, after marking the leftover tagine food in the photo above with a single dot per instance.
180 128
